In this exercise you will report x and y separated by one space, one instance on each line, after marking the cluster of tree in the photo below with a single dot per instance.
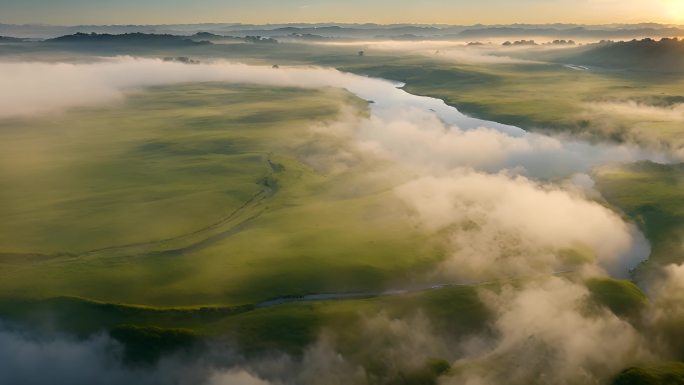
260 39
307 36
207 36
181 59
520 42
231 39
7 39
666 41
664 55
670 40
561 42
648 40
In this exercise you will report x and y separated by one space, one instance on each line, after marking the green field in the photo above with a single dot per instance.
653 195
195 195
665 373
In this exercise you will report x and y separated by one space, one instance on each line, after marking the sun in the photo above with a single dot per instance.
675 9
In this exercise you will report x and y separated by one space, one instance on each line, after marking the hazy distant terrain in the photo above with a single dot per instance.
362 31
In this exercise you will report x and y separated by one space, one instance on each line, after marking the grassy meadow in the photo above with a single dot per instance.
652 195
195 195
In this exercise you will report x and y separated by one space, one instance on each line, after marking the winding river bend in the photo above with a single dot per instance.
538 156
541 156
442 138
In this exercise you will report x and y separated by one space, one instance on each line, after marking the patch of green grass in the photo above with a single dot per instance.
144 345
455 312
84 317
289 329
197 195
457 309
426 375
661 374
155 168
623 298
652 195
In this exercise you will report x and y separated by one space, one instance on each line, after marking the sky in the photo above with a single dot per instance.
74 12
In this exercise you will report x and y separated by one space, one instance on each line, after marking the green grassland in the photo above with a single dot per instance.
534 96
452 313
623 298
653 195
665 373
191 195
289 327
148 333
166 219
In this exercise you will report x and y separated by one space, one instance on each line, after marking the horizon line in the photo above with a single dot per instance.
38 24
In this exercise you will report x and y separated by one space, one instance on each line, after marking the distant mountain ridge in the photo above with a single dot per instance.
358 31
9 39
577 32
128 39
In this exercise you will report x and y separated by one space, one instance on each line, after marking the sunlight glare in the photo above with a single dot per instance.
675 9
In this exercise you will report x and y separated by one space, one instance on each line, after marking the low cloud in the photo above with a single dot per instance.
39 87
666 311
452 51
639 111
655 126
540 331
545 335
398 345
34 360
417 137
501 225
236 377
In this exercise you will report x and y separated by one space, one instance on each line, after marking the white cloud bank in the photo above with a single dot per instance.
504 225
546 336
639 111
